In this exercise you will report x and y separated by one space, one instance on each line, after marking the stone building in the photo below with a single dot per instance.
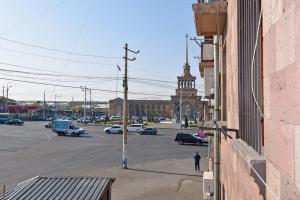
257 49
140 108
192 106
186 93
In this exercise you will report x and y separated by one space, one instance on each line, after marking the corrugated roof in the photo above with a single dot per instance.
59 188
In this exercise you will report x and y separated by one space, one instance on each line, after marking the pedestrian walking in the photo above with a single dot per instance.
197 161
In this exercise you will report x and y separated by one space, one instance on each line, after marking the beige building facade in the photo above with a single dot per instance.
259 61
141 108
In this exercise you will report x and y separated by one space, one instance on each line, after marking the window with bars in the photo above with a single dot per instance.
250 120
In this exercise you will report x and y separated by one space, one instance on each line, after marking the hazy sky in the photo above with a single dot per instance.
156 28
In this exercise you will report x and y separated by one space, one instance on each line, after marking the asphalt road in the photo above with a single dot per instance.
32 150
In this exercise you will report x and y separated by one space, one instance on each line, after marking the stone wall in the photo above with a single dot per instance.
237 180
281 64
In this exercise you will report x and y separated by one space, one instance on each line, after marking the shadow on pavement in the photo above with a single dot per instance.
160 172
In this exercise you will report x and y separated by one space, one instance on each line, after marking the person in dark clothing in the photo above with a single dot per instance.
197 161
186 122
106 119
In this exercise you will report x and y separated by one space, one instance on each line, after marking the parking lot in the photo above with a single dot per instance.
31 150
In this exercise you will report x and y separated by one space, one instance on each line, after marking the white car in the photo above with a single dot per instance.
135 127
114 129
205 139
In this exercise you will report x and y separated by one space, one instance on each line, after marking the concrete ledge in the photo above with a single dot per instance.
249 156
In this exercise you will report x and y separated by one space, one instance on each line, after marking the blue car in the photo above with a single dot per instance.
148 131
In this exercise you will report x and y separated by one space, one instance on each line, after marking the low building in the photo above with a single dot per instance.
59 188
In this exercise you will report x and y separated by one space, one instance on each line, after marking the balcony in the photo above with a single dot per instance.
209 17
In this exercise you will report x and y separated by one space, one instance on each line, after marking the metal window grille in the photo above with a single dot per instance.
249 117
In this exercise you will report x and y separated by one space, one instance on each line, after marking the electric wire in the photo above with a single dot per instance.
55 73
252 66
78 87
259 176
67 81
27 21
58 50
56 58
77 40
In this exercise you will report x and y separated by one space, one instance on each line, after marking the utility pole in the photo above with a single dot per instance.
90 103
125 105
44 105
54 105
6 102
3 100
84 111
55 102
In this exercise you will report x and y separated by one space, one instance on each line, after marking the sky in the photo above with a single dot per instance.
66 28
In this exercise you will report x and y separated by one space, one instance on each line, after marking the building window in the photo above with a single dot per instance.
250 121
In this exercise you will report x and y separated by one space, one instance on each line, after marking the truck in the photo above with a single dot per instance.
66 127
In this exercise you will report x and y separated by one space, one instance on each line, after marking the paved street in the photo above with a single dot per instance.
32 150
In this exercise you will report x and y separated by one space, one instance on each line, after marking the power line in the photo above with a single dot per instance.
76 81
155 80
55 73
77 40
58 50
47 79
34 17
38 69
55 58
78 87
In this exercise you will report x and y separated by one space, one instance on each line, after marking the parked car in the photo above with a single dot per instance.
135 127
116 118
204 139
84 120
114 129
148 131
102 118
182 138
14 122
50 118
48 125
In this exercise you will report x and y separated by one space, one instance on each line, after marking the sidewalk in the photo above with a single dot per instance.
157 180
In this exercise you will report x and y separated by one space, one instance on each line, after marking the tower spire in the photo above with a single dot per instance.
186 49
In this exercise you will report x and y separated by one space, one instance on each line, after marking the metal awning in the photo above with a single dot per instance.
60 188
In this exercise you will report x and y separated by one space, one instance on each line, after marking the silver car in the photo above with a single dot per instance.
114 129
